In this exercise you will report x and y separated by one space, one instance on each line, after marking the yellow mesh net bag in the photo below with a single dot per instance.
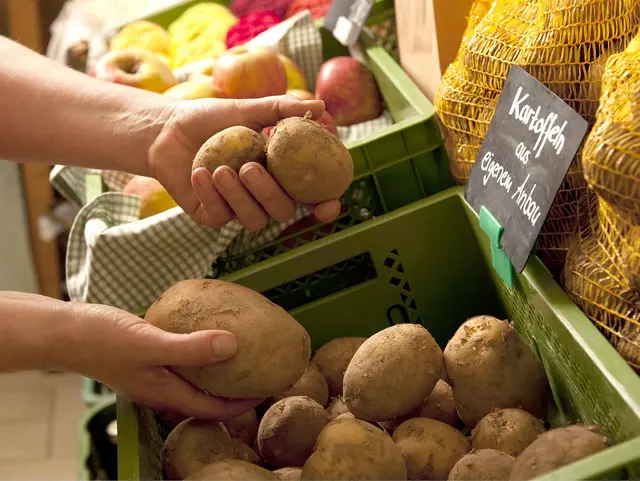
557 41
602 273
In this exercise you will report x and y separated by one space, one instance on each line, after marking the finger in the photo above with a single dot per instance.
327 211
166 391
267 192
247 210
215 209
161 348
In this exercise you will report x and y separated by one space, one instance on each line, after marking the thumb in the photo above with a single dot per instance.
268 111
196 349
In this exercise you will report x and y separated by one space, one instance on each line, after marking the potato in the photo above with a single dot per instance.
194 443
310 164
312 384
491 367
506 430
273 349
430 448
289 474
349 449
333 358
392 373
336 408
439 405
243 428
234 147
232 470
289 429
482 465
556 448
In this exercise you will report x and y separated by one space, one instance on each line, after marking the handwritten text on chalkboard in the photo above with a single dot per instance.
523 159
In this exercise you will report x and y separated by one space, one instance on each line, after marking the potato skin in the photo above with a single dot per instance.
349 449
234 146
310 164
244 428
232 470
312 384
336 408
288 431
491 367
333 358
289 474
506 430
273 349
483 465
392 373
194 443
556 448
430 448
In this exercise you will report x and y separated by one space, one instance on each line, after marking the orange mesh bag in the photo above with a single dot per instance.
557 41
595 279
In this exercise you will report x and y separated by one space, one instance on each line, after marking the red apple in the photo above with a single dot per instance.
136 68
349 91
249 72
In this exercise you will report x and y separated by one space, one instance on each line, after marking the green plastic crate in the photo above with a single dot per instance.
429 262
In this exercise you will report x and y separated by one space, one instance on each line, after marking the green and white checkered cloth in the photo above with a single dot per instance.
116 258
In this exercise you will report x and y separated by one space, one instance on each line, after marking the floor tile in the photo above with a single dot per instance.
24 441
68 409
59 469
26 404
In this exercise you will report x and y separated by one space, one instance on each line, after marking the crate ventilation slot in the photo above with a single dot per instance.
407 310
323 283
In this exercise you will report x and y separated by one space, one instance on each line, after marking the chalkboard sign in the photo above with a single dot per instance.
346 18
525 156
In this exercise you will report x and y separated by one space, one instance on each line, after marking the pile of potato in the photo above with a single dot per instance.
393 406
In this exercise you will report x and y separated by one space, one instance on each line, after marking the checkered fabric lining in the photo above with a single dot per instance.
116 258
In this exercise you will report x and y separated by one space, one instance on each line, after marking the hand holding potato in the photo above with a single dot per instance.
250 195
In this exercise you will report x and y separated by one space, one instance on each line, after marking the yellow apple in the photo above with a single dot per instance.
154 199
295 77
136 68
192 90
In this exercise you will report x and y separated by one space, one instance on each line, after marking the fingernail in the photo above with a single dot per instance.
225 178
224 345
253 175
202 177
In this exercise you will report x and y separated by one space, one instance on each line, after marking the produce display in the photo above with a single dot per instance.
564 45
393 417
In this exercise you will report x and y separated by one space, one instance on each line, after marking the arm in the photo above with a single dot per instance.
52 114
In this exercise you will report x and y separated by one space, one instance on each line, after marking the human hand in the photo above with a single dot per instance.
252 196
130 356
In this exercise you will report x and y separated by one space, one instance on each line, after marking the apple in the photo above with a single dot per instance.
192 90
203 73
249 72
153 196
135 68
349 91
301 94
295 77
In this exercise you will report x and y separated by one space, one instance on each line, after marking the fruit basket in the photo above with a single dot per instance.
430 263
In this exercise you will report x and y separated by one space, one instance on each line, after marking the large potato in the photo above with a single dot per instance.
232 470
349 449
289 474
392 373
312 384
194 443
556 448
491 367
506 430
430 448
273 349
289 429
333 358
483 465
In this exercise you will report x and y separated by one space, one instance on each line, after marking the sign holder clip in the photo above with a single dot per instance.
494 230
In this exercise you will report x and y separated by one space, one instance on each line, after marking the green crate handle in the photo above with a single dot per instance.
501 262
